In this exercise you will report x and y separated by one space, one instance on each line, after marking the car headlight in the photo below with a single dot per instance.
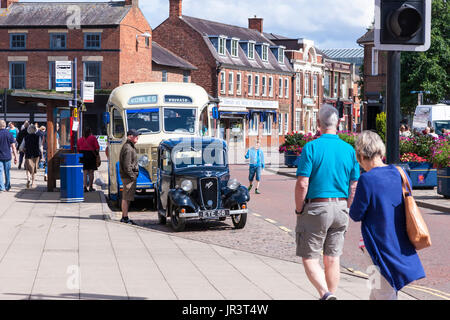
143 161
187 186
233 184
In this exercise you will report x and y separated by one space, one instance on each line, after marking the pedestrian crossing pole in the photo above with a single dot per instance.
393 108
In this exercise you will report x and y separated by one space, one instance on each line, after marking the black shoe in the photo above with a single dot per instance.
86 190
328 296
91 189
128 221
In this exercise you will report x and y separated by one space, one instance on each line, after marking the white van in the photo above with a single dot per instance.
436 116
158 111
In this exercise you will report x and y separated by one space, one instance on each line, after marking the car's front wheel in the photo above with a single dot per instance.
239 220
178 224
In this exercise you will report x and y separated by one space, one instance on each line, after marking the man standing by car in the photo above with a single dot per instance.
129 171
327 176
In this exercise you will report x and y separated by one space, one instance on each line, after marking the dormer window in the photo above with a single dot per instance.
251 50
265 52
281 55
234 47
221 48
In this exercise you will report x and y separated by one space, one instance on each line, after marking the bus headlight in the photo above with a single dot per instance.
143 161
233 184
187 186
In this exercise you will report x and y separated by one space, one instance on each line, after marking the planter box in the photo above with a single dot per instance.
290 159
422 175
443 181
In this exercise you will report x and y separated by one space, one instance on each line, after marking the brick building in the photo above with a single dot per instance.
374 76
111 41
168 67
241 67
307 81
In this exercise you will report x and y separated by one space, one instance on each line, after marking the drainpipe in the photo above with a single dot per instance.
293 100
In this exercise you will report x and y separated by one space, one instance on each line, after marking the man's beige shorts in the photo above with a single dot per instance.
129 190
322 227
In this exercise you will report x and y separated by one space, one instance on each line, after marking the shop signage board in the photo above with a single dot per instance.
63 76
87 91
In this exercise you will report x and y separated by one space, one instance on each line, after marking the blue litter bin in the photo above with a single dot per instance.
71 171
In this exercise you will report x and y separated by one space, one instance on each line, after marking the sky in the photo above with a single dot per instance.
329 23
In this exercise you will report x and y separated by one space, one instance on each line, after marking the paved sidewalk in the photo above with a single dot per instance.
426 198
52 250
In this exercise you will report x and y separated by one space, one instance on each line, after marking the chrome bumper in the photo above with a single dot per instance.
196 214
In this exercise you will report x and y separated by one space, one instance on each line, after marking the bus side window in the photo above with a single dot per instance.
118 130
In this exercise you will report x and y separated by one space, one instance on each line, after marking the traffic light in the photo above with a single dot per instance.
402 25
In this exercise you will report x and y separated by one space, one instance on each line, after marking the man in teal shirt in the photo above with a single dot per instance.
327 176
256 157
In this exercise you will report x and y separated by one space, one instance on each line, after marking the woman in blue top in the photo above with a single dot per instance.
379 205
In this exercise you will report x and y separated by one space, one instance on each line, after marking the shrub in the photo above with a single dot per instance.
440 155
381 125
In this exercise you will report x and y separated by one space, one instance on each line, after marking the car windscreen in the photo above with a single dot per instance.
145 121
179 120
207 156
440 125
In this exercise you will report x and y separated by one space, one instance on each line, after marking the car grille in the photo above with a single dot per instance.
208 192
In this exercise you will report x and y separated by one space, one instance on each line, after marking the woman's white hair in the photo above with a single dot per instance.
31 129
328 117
369 145
2 124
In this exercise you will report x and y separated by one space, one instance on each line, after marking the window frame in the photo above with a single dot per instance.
286 87
87 34
315 85
85 65
264 86
270 86
307 84
24 64
251 45
52 36
11 41
113 127
256 83
222 82
267 125
238 83
231 83
51 67
297 120
265 53
281 55
235 48
221 46
186 75
280 87
164 76
280 124
286 123
298 84
250 84
375 60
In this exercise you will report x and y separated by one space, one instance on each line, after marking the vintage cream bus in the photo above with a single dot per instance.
158 111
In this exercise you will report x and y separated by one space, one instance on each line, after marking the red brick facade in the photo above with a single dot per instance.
173 74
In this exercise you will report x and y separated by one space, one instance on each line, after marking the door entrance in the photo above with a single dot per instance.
233 132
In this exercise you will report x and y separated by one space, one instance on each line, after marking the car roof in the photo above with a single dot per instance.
171 143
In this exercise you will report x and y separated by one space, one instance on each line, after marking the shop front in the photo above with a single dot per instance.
310 115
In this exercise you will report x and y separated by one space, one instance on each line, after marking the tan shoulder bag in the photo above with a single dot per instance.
415 225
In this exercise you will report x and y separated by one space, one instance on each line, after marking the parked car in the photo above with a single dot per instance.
194 182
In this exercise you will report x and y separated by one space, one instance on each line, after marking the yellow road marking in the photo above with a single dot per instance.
257 215
270 220
426 288
285 229
429 292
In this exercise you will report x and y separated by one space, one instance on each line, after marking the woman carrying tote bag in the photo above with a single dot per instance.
380 206
89 147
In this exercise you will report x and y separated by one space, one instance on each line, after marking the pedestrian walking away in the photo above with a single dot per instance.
32 147
379 205
256 165
22 134
14 131
327 176
129 171
89 147
7 143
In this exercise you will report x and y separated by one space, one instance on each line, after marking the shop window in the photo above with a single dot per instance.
254 124
267 125
118 126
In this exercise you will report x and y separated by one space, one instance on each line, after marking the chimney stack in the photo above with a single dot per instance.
256 24
176 8
7 3
134 3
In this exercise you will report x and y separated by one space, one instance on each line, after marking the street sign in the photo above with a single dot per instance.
87 91
63 76
402 25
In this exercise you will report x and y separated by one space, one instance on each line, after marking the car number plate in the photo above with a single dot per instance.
214 214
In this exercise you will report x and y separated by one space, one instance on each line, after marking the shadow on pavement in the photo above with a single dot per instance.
77 296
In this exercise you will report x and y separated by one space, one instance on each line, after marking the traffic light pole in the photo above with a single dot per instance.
393 108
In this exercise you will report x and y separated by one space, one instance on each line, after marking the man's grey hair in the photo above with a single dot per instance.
328 117
369 145
2 124
32 129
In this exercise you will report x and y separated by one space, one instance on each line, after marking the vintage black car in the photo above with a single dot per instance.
194 183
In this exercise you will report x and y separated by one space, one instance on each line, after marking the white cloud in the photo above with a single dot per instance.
330 23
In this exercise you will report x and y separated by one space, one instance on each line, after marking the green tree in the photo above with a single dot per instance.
428 71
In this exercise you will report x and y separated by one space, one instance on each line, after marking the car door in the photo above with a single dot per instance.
165 176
